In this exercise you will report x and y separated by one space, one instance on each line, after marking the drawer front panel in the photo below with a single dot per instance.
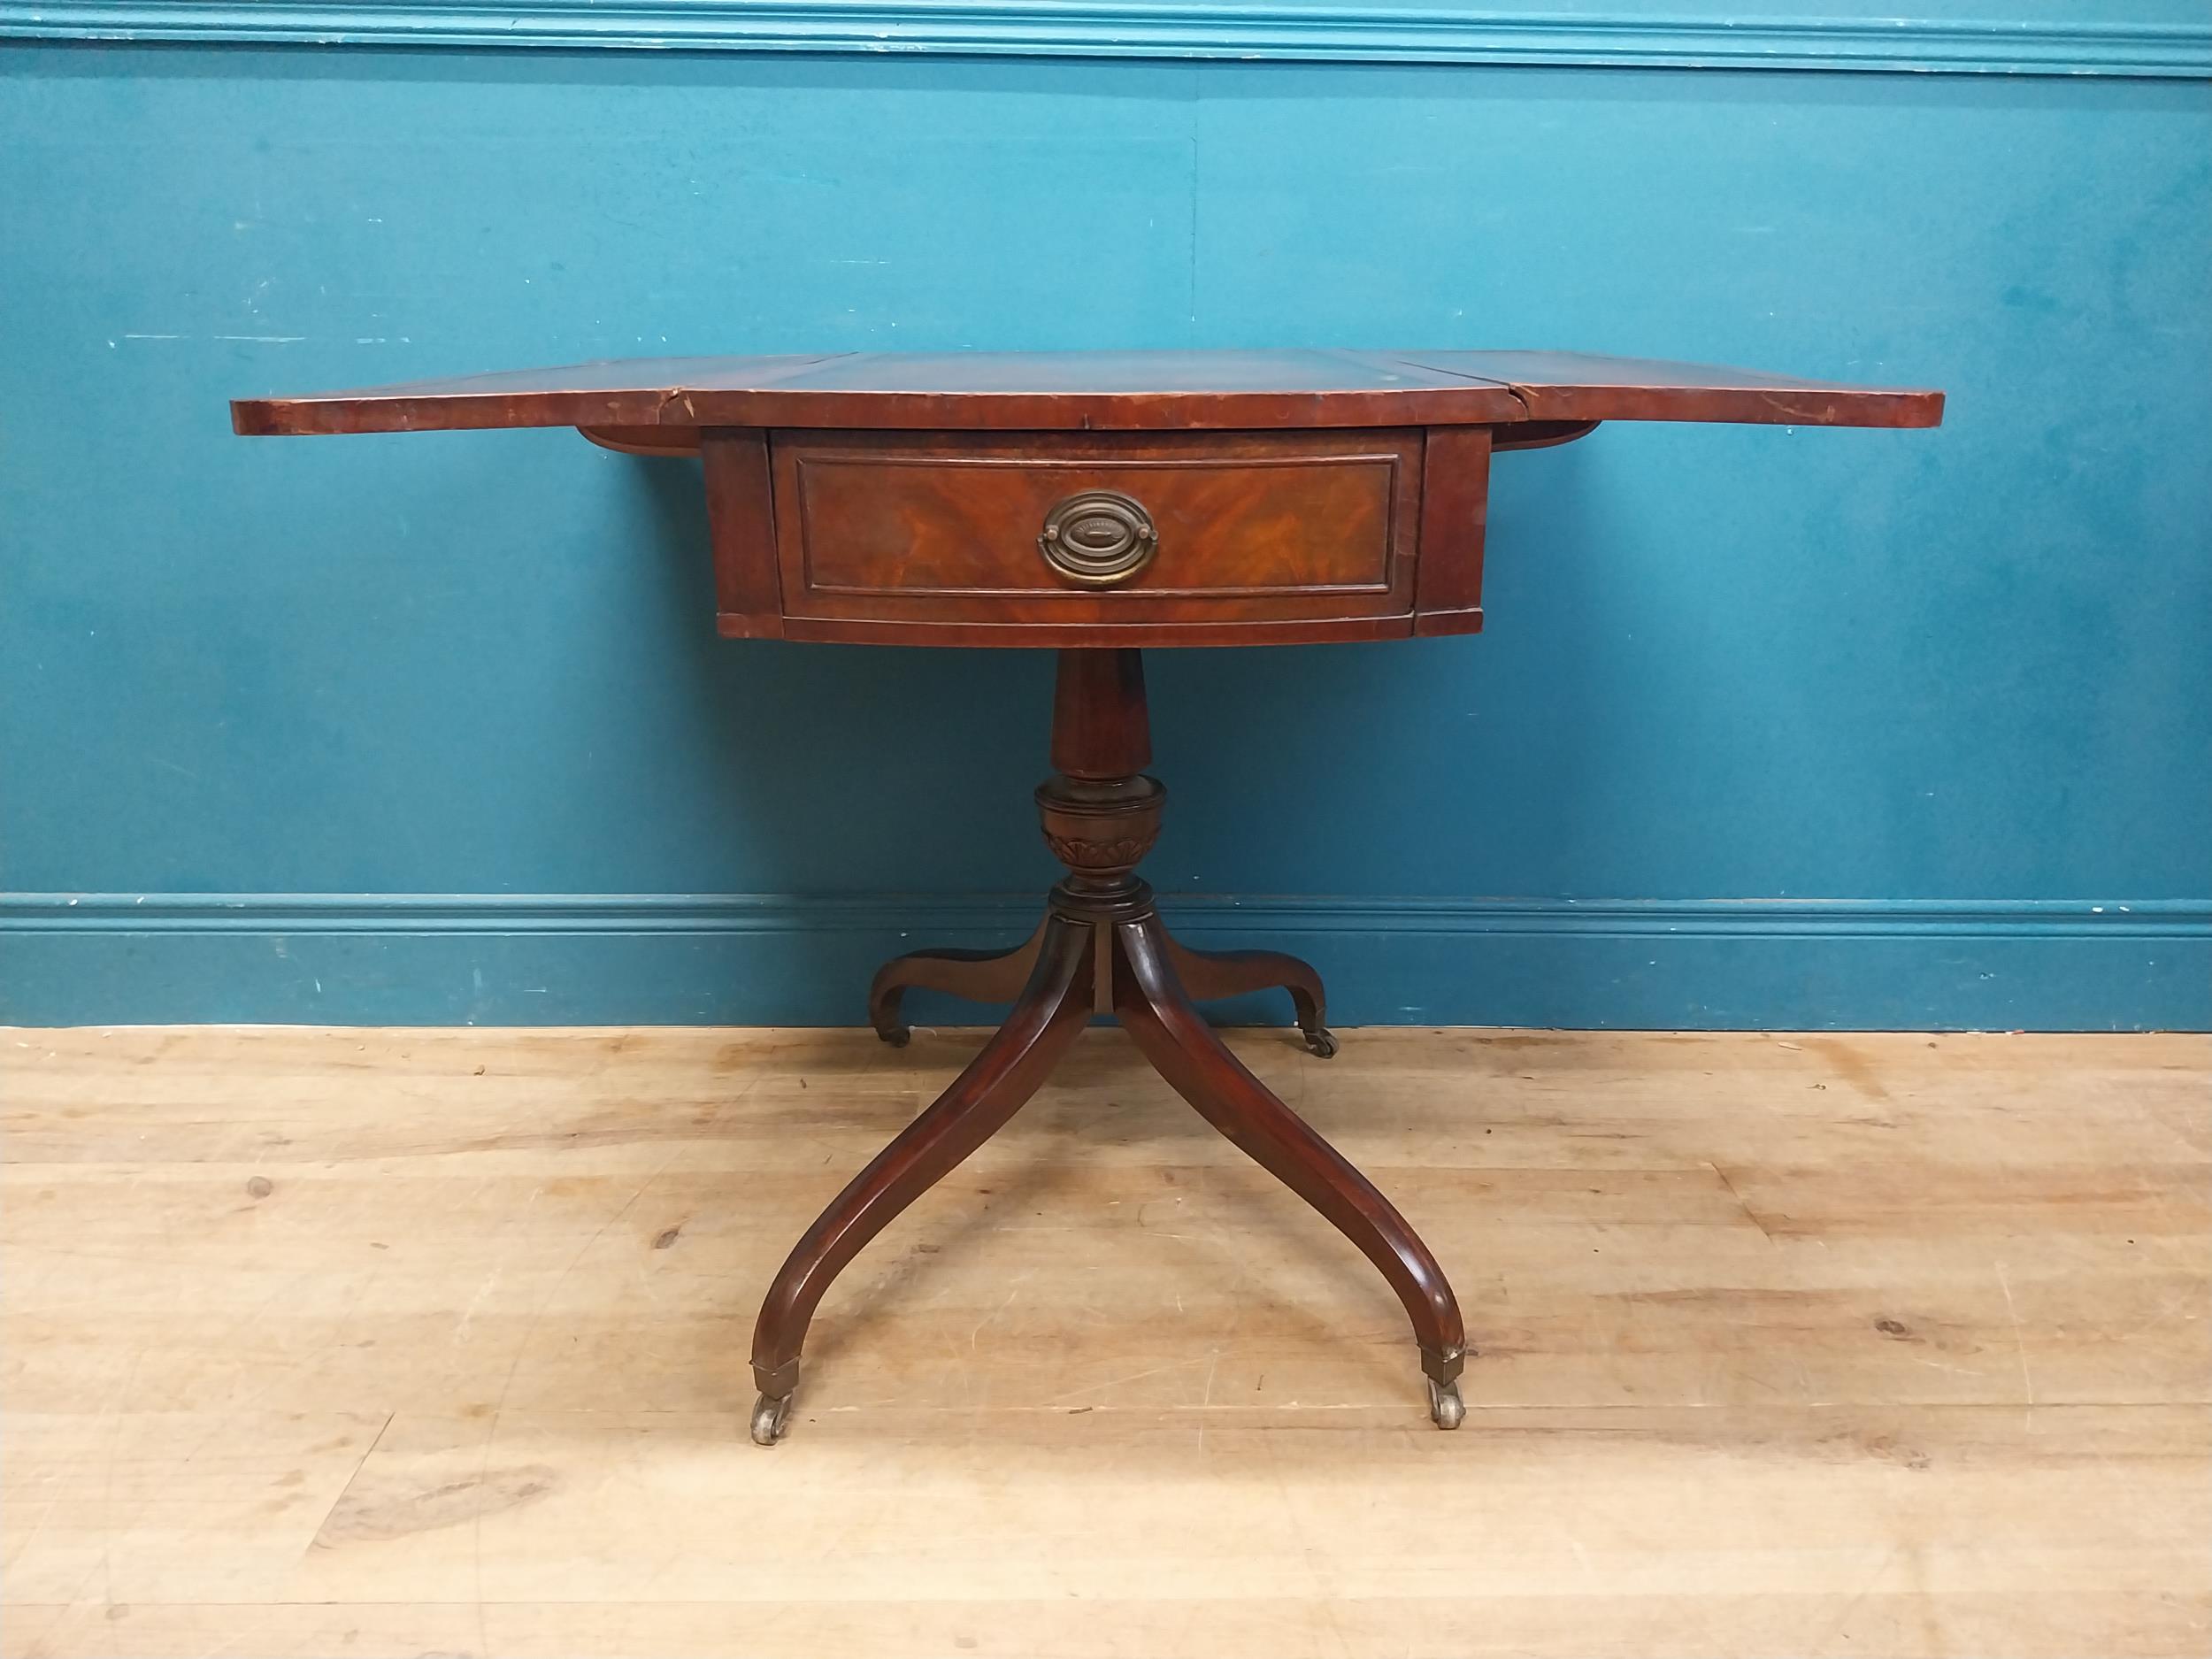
1089 526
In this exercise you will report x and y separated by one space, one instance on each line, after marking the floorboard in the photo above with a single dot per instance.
404 1342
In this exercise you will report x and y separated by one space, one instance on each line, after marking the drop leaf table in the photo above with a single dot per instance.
1097 504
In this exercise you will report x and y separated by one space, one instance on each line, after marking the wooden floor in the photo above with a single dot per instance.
405 1343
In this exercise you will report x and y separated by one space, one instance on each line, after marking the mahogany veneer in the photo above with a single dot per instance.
1098 502
943 526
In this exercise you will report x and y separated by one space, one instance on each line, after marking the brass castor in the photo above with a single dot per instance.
1322 1041
898 1036
1446 1410
769 1414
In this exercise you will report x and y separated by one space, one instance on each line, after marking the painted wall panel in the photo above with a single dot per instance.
1722 664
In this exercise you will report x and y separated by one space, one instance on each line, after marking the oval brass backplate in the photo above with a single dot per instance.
1098 537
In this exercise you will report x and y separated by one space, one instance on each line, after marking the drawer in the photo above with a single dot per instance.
1102 528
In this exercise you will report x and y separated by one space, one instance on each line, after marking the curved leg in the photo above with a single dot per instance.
1157 1013
1054 1007
982 975
1207 974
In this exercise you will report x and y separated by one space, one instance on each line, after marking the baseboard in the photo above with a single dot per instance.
1240 29
669 959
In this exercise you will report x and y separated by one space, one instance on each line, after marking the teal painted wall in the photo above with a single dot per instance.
1769 727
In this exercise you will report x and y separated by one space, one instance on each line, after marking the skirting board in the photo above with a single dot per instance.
680 959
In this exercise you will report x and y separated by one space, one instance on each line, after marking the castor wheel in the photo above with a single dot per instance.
1322 1041
769 1414
898 1036
1446 1410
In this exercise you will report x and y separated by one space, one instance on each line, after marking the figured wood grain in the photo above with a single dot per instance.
741 524
1272 526
1288 487
1576 385
1094 391
385 1342
1454 520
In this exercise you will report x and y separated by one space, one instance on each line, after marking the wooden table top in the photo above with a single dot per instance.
1097 391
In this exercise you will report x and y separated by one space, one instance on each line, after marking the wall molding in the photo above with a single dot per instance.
755 959
1195 29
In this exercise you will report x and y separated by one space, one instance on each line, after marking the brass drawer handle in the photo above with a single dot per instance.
1098 537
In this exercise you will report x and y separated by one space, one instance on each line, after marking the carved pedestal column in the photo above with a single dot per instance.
1102 950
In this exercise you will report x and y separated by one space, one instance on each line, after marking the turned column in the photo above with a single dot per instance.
1100 812
1101 951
